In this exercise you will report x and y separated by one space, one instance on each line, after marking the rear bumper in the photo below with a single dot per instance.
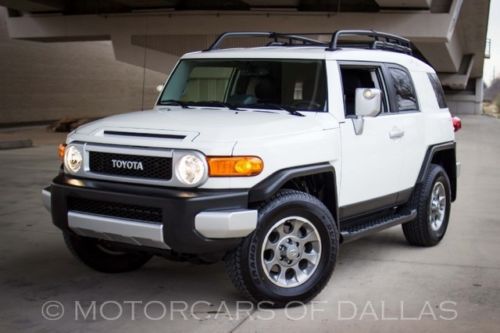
186 221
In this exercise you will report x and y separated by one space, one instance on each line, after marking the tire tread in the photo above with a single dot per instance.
417 232
233 259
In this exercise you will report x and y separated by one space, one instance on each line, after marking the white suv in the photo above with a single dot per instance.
268 158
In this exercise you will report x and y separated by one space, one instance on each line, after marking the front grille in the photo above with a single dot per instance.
152 167
113 209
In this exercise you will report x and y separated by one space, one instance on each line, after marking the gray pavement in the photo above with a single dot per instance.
380 283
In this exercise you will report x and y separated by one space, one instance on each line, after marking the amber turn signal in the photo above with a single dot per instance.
60 151
235 166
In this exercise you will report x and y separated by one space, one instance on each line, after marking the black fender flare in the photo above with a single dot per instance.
272 184
429 155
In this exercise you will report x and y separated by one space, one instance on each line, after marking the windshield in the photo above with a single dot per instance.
237 83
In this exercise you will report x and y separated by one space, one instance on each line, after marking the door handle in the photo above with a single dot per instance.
396 133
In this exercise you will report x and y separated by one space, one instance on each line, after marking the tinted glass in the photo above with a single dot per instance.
438 90
359 77
249 83
405 92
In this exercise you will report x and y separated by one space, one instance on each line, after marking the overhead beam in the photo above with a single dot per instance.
129 53
416 26
34 5
445 56
458 81
273 3
404 3
433 33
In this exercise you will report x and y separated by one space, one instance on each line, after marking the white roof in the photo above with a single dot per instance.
313 52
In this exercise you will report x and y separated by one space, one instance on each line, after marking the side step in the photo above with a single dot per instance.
366 226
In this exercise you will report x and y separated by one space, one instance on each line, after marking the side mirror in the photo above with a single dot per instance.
368 103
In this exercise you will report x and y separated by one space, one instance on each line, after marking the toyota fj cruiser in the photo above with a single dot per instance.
266 157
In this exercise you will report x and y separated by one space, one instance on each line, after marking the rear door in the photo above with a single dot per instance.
410 122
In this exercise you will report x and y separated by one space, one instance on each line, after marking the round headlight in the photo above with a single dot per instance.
73 159
190 169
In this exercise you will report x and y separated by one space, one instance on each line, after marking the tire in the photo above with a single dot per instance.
300 234
101 255
429 227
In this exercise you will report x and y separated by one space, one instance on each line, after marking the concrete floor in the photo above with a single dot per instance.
380 283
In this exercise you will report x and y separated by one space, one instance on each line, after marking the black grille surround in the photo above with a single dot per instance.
152 167
117 210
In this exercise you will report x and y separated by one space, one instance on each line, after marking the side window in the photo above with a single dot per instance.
354 77
406 99
438 90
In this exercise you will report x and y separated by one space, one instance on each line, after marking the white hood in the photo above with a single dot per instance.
200 125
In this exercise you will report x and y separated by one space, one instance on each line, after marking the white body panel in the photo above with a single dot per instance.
281 140
367 166
371 162
422 129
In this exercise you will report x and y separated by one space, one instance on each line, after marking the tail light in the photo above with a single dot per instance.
457 123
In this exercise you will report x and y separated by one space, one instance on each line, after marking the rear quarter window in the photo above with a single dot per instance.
438 90
406 98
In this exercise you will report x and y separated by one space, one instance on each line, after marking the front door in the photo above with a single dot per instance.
371 160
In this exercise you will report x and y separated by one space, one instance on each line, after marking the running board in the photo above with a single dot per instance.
356 231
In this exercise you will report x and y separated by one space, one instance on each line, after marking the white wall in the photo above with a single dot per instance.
48 81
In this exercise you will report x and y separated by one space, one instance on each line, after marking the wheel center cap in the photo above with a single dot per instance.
292 252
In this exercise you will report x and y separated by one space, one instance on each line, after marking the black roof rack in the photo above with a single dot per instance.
289 39
380 40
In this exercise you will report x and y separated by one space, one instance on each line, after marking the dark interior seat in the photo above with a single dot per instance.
266 91
242 99
350 82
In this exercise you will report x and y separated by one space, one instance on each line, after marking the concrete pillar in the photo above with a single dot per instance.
469 101
479 95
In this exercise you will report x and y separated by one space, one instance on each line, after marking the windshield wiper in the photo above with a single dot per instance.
215 104
275 106
174 102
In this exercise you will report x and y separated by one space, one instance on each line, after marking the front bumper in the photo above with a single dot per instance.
190 221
